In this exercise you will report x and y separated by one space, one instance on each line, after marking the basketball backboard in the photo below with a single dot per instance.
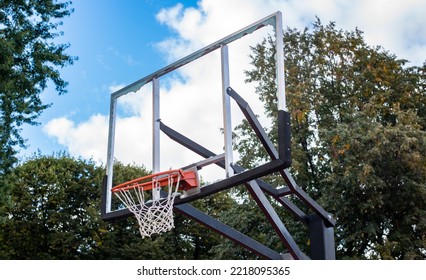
144 99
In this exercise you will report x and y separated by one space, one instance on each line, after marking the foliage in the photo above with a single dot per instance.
247 218
190 240
358 136
52 211
29 58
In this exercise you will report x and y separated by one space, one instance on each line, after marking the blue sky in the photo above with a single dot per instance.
119 42
115 44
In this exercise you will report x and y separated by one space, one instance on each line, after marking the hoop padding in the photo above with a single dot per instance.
155 215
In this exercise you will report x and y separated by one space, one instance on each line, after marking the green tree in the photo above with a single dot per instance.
53 211
248 219
29 59
358 136
194 241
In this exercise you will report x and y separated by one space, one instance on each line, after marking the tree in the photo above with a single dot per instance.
53 210
358 136
29 59
192 240
53 213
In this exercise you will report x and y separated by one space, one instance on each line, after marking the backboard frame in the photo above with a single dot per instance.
274 20
320 223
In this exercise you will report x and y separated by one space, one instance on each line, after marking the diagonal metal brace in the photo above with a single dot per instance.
254 122
275 220
228 232
273 153
189 144
279 196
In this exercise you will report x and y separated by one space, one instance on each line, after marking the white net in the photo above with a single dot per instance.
153 209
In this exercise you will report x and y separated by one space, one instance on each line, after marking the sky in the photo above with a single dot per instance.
119 42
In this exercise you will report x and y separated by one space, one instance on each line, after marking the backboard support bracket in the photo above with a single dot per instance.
320 223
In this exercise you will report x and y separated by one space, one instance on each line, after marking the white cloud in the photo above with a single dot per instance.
192 102
395 25
212 20
88 139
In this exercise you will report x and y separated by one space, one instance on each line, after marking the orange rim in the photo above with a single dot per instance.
188 180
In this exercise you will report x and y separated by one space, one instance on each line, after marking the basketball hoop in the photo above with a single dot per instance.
152 207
